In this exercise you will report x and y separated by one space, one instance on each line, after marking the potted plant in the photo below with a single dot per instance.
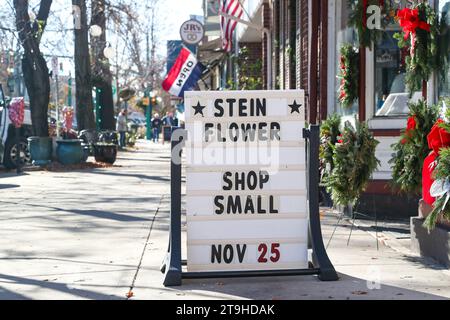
69 150
105 150
41 149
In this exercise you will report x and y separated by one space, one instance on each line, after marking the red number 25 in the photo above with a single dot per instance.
274 250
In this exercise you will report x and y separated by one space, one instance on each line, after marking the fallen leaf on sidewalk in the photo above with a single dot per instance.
359 293
130 294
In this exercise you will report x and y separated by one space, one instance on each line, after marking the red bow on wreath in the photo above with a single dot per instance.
438 138
409 21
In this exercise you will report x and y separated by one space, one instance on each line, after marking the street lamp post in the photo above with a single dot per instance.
149 110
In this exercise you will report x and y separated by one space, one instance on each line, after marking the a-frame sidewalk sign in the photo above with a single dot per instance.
252 189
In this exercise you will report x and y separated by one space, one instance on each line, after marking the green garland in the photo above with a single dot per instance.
329 135
349 74
423 59
367 36
354 162
412 148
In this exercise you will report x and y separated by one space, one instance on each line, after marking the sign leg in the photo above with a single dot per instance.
320 256
172 266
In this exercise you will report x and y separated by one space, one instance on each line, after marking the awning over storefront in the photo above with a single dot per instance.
210 54
254 9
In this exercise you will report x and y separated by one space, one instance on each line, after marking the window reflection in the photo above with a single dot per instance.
444 83
391 94
344 35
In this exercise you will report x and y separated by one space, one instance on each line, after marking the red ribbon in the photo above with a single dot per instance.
438 138
409 21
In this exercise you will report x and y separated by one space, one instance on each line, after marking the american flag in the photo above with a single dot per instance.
232 8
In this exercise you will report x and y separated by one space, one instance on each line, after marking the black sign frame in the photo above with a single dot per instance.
320 265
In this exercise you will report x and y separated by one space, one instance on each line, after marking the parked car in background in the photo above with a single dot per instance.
8 147
136 119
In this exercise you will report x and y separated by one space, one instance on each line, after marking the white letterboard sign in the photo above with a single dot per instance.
246 181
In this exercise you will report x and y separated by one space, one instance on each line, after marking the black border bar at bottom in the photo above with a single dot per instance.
248 274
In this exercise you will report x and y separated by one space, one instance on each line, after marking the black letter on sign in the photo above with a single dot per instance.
263 179
208 131
261 107
241 252
218 105
229 183
275 129
249 207
234 205
231 103
220 207
216 253
228 254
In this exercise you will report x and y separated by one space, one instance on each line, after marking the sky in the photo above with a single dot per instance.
178 11
171 15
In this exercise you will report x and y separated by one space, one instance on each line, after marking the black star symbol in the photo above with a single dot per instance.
199 109
295 107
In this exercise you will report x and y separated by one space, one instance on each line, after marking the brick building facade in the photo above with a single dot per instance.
306 39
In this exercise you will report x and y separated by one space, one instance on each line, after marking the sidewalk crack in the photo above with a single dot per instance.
130 292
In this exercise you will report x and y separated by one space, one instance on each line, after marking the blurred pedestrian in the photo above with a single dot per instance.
122 128
156 125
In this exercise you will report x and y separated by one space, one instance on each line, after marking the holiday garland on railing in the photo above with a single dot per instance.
329 136
420 31
349 75
358 19
412 148
354 162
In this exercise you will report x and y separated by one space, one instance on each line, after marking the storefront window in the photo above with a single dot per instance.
444 83
344 35
391 94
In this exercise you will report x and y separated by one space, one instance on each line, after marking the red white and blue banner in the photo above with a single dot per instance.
184 74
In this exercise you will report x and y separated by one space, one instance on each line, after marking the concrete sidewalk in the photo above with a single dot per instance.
101 233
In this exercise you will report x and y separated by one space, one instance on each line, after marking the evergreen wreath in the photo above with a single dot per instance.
420 35
354 163
412 148
329 136
349 74
358 20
